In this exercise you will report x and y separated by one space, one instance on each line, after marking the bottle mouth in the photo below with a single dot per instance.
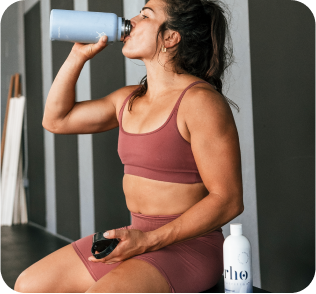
126 28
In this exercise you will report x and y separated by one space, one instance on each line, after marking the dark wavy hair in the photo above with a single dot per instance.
205 49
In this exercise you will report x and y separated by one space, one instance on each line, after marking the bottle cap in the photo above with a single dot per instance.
236 229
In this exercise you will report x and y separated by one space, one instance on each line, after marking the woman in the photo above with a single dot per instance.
179 144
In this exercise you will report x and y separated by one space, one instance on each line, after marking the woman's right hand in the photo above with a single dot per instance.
88 51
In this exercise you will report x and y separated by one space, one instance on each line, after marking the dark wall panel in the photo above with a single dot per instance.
10 52
66 154
282 38
108 75
34 106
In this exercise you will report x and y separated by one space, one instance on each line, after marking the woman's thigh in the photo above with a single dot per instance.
132 276
61 271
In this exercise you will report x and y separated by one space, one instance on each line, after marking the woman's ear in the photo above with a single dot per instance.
172 38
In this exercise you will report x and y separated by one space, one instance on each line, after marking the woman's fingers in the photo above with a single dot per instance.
102 43
88 51
94 49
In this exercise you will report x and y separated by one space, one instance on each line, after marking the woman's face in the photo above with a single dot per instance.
141 44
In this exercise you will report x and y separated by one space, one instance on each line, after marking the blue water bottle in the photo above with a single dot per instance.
87 26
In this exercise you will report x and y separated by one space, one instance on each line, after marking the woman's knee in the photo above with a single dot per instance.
25 283
61 271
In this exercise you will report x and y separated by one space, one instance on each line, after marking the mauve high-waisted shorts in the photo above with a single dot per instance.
189 266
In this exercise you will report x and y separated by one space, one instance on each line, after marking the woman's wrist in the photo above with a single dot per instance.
152 241
77 58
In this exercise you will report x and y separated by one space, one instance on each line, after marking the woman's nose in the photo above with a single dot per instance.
133 21
133 24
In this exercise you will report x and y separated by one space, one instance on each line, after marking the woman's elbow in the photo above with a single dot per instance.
239 208
49 128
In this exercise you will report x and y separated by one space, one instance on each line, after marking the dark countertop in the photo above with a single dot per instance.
219 288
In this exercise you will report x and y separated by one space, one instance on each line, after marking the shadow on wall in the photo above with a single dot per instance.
282 36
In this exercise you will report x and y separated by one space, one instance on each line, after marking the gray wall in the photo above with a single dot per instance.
66 154
12 55
237 86
282 38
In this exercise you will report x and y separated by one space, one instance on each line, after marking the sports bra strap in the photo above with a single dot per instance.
175 107
125 101
185 90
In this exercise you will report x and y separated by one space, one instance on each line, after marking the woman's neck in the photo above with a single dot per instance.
163 79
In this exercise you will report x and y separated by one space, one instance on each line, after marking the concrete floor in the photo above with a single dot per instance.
23 245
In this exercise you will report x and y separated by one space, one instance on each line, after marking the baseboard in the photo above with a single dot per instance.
55 235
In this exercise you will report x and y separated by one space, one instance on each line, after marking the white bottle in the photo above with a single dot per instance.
237 262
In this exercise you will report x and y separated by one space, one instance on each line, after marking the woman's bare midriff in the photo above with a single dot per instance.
152 197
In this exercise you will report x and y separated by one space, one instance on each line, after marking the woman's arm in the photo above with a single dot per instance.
207 215
61 97
215 146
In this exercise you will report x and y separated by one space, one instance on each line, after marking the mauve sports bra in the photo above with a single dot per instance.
162 155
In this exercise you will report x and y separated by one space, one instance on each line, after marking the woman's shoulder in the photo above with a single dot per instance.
122 93
203 103
204 94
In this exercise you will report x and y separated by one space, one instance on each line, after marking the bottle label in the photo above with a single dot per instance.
237 280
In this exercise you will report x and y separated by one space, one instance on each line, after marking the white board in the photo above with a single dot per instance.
10 179
6 160
20 209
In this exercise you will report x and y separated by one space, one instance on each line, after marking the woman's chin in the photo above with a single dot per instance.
131 55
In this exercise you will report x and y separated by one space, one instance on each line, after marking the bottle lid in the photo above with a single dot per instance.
125 29
236 229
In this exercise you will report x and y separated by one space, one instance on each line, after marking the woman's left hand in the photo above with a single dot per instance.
132 242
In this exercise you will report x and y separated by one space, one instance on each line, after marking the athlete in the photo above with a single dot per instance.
180 149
